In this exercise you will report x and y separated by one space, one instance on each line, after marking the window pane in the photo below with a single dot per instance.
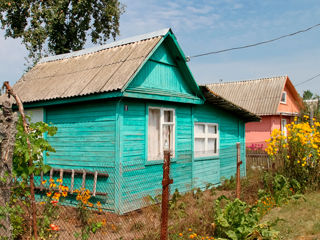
36 114
199 146
199 129
154 135
168 116
167 137
212 129
212 146
283 97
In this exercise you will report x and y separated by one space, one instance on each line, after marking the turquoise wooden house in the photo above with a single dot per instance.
117 106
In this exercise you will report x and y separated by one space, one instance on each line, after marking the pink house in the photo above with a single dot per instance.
274 99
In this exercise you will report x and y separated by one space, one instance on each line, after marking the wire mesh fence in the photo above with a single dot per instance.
121 203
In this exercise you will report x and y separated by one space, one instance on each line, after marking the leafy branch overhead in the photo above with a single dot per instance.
60 26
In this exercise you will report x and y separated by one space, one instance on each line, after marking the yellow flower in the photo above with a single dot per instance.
49 194
43 182
51 180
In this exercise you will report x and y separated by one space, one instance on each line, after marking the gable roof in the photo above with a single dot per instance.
260 96
95 70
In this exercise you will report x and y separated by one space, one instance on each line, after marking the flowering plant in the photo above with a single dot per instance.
88 226
50 210
298 150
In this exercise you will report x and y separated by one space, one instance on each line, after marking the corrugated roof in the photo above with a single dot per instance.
260 96
96 70
221 102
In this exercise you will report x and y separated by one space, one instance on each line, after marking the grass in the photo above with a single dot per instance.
300 219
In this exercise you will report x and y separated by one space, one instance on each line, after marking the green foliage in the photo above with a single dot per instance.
17 220
59 26
279 187
228 184
49 213
237 220
307 95
39 146
19 203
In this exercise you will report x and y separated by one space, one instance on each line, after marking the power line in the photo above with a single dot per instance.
309 79
255 44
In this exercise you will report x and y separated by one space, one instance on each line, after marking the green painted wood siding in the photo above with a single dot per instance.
161 76
231 130
139 177
85 139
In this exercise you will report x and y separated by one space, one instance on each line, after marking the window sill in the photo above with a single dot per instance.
157 162
216 157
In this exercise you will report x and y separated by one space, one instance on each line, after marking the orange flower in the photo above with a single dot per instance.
104 222
99 204
43 182
64 194
54 203
49 194
51 180
54 227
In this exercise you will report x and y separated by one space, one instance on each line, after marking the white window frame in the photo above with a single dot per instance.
36 114
206 136
283 126
285 97
162 123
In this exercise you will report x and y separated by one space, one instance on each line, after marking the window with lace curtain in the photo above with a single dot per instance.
161 132
206 139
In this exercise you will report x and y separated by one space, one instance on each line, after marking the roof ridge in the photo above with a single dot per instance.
244 81
118 43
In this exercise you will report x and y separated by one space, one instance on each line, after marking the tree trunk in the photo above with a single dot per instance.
8 122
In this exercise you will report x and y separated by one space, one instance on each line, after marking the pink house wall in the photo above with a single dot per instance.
258 132
291 106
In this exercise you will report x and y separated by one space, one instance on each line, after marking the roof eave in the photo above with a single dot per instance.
217 100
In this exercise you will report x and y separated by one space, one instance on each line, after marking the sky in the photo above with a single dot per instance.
205 26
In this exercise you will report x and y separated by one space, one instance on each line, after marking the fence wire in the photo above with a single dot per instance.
124 205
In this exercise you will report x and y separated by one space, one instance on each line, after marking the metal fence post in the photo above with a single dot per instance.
165 196
239 162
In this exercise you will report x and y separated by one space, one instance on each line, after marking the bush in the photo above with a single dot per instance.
299 151
237 220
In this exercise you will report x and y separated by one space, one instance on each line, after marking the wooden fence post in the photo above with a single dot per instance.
239 162
165 196
8 122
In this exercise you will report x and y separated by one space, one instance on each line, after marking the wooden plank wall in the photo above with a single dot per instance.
141 178
85 140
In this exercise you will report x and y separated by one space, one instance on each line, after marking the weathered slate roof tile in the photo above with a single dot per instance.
260 96
96 70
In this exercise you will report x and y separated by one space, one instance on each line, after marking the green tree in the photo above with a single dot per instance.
59 26
307 95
